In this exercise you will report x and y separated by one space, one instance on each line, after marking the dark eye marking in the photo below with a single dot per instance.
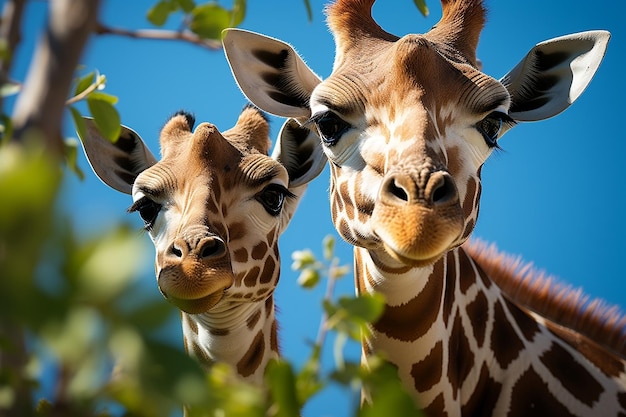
148 210
330 126
273 198
492 127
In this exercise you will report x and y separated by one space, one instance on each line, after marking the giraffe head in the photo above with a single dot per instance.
214 205
407 123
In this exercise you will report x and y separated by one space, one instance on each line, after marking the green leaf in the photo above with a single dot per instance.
302 259
71 157
186 5
10 88
105 117
84 82
238 13
208 21
79 122
421 5
309 278
158 14
367 307
282 384
329 247
309 10
97 95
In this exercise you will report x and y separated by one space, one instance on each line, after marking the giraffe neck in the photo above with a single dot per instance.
241 334
462 348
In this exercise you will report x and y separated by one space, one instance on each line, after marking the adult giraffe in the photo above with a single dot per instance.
214 206
407 124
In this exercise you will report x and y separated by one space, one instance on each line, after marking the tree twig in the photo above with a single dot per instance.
160 34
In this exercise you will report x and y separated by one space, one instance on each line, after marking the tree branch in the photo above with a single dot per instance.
159 34
39 108
10 36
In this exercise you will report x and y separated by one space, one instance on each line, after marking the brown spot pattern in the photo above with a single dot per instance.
240 255
478 313
269 306
427 372
572 375
274 337
531 397
252 358
200 354
409 321
451 274
219 332
253 319
505 344
236 231
467 274
525 323
461 357
484 397
259 251
250 279
436 408
269 270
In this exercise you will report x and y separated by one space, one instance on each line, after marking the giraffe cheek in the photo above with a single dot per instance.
417 235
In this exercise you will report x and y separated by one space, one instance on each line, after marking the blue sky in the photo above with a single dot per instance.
553 195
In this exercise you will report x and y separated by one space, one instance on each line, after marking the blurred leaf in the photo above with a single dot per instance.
97 95
309 278
105 116
388 396
302 259
238 13
159 13
84 82
6 129
309 10
308 381
79 122
209 20
282 385
421 5
186 5
71 157
10 88
367 307
329 247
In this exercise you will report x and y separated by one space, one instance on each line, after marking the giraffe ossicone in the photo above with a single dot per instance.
214 206
407 123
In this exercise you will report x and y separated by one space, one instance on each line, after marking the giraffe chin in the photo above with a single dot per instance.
199 305
412 260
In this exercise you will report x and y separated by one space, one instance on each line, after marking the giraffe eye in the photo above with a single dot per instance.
491 127
148 210
273 197
330 127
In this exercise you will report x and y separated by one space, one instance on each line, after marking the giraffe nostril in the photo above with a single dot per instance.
397 190
444 190
176 251
212 247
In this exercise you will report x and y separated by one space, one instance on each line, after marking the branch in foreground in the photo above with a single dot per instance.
159 34
41 104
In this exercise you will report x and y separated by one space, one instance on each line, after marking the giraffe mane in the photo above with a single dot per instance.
543 294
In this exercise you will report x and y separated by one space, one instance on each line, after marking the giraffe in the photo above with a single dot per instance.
407 124
214 207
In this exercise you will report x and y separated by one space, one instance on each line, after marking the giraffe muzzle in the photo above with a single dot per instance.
195 272
418 217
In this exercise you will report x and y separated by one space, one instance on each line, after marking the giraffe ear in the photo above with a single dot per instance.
116 164
270 73
299 150
554 74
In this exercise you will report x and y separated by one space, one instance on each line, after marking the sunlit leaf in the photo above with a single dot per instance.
79 122
186 5
10 88
302 259
367 307
71 157
209 20
238 13
159 13
98 95
421 5
281 381
309 278
84 82
105 117
328 245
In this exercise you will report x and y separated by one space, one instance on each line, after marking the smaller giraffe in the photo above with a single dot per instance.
214 206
